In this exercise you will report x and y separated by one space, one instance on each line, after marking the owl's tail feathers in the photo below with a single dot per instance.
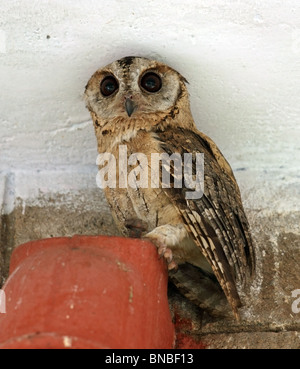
202 289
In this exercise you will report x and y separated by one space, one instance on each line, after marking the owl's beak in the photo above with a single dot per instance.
129 106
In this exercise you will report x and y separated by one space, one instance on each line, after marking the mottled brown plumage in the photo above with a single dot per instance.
144 104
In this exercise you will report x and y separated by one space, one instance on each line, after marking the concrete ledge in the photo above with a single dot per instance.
253 340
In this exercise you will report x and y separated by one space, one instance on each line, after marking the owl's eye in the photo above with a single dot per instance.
151 82
109 85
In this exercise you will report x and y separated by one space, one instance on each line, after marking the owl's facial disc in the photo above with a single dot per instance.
133 87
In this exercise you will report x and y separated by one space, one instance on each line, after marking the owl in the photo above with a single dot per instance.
143 105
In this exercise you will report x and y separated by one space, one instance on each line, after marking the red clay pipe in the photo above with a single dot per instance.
87 292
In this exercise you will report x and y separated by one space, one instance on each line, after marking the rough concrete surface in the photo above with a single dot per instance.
55 216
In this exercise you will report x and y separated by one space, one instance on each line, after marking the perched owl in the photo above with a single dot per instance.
144 105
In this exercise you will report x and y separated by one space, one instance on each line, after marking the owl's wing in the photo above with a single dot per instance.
216 221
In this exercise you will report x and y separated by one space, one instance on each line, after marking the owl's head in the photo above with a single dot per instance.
133 87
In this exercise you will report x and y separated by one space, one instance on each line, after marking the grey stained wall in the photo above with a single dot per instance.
242 61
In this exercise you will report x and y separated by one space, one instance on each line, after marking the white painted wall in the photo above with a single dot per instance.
241 57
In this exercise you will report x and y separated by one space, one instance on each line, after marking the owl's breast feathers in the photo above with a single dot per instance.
216 221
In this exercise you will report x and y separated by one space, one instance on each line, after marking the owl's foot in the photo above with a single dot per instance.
166 237
167 254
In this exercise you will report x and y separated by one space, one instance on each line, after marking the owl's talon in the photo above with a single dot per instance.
173 266
167 254
163 251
